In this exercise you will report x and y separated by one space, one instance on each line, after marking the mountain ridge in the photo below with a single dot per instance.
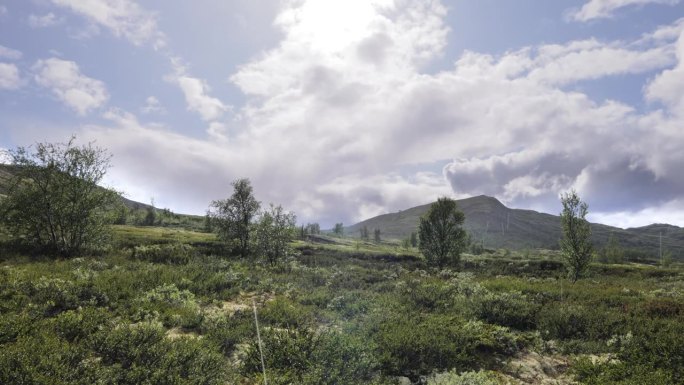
491 223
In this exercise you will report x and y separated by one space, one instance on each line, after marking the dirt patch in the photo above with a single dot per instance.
176 333
534 368
243 302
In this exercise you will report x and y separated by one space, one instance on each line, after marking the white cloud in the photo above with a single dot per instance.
9 53
153 106
44 21
69 85
197 97
333 136
598 9
124 18
9 77
668 212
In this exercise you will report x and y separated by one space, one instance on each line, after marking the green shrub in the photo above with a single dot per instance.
414 345
564 322
175 307
285 313
309 358
140 354
172 253
75 325
228 331
511 309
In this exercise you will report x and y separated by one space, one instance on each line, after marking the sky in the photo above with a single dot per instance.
343 110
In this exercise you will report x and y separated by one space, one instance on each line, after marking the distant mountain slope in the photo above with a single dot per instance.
489 221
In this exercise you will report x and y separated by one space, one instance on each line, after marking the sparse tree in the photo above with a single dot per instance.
576 242
151 214
612 252
406 243
364 233
313 228
339 229
208 223
274 230
376 236
414 239
442 237
233 216
54 201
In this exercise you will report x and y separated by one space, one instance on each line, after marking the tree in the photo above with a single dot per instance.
313 228
339 229
150 215
612 252
376 236
54 201
576 244
273 232
233 217
414 239
442 238
364 233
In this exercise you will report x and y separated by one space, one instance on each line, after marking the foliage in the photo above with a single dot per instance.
414 239
233 216
273 232
576 242
612 252
54 201
442 238
339 229
376 236
305 357
364 233
173 253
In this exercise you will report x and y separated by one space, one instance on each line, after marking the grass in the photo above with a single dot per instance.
338 311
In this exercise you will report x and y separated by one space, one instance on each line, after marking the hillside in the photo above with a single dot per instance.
497 226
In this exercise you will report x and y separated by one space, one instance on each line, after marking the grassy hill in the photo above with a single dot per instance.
496 226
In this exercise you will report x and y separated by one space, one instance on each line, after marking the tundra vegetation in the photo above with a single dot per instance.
173 305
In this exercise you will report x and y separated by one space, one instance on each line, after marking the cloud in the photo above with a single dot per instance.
124 18
357 126
601 9
69 85
9 53
152 106
3 10
197 97
9 77
44 21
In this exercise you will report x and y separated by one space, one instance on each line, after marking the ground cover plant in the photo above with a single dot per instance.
157 311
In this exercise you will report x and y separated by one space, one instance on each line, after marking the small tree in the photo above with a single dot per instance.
313 228
364 233
376 236
612 252
576 242
339 229
442 238
233 217
414 239
274 230
54 201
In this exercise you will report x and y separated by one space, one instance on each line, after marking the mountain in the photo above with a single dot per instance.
497 226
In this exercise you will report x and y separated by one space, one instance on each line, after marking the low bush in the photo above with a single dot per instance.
512 309
414 345
309 358
172 253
